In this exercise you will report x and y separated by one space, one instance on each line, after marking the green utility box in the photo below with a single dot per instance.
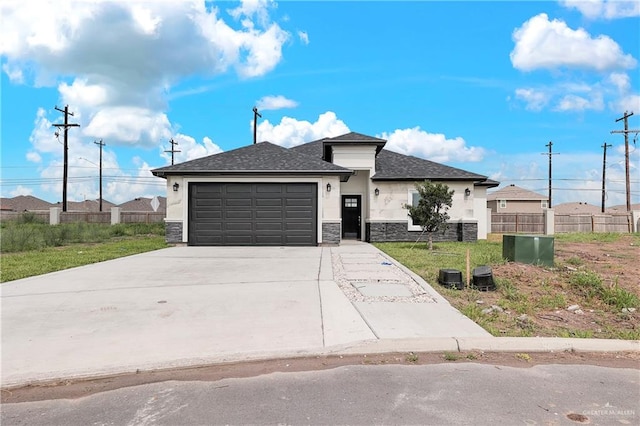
533 249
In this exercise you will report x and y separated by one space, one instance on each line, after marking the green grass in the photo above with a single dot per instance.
588 237
26 264
28 233
445 255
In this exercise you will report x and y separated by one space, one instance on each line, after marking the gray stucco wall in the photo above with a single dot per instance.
330 233
378 232
173 232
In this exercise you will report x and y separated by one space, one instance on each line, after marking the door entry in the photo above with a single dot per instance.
351 216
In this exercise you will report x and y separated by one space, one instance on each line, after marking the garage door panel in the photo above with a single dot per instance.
252 214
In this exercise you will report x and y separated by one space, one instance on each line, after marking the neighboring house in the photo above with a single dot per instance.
23 203
87 206
513 199
142 204
346 187
576 208
622 209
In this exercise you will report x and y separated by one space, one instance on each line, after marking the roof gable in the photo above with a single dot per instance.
263 157
513 192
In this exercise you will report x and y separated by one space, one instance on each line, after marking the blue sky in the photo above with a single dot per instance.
482 86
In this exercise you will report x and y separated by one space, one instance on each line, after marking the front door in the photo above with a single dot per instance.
351 216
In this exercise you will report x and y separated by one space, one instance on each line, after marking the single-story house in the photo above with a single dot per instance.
513 199
345 187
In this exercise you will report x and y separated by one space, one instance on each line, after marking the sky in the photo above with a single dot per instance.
482 86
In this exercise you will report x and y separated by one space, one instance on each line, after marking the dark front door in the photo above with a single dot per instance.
351 213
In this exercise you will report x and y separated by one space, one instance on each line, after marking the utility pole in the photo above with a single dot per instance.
172 150
256 114
550 154
100 144
65 126
626 132
604 170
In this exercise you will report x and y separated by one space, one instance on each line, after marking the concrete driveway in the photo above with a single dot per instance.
195 305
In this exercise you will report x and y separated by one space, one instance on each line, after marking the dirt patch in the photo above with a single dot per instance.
72 389
549 302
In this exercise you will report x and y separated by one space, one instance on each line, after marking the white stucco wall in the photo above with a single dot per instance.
480 211
355 157
394 195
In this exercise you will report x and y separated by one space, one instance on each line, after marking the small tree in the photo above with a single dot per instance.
431 211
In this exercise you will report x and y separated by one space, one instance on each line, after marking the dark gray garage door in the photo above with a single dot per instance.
253 214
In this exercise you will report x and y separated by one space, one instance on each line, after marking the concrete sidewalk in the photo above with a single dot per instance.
187 306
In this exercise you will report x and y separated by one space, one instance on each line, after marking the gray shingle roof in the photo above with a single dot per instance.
22 203
394 166
143 204
263 157
355 137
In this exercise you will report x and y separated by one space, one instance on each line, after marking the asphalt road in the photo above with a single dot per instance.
441 394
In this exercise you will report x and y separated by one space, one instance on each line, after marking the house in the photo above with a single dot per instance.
23 203
576 208
513 199
345 187
142 204
87 206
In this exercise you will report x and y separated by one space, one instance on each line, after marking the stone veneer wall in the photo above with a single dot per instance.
331 233
397 231
173 232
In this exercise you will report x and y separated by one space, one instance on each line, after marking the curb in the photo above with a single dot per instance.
367 347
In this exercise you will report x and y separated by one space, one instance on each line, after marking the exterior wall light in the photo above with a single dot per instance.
328 187
376 191
176 186
467 192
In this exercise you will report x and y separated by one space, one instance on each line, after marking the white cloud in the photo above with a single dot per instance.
578 103
267 103
34 157
431 146
534 99
129 125
544 44
291 132
608 9
21 190
304 37
630 102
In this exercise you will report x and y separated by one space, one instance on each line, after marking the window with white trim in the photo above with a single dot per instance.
502 204
544 204
413 199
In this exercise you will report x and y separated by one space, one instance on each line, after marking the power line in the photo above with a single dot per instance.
172 150
256 114
65 126
626 132
604 171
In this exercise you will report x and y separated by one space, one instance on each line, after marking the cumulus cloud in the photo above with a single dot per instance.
544 44
304 37
578 103
115 61
267 103
21 190
608 9
291 132
431 146
534 99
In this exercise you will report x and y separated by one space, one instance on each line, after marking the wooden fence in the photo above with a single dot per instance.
534 223
507 223
142 217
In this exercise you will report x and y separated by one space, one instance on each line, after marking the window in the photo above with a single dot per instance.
502 204
414 198
351 202
544 204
